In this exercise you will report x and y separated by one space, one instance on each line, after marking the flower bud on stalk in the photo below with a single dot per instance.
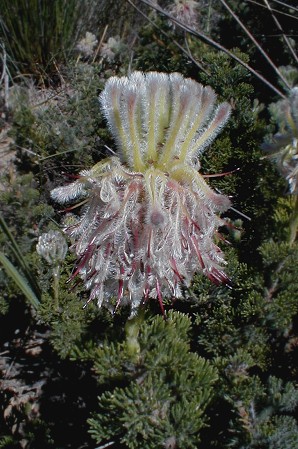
52 247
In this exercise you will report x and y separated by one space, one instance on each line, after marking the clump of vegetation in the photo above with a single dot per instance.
38 35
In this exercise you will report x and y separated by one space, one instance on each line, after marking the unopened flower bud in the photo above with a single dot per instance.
52 247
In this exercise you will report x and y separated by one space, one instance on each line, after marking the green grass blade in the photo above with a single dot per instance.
19 256
19 280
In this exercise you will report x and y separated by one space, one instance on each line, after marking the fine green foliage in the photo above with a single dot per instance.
262 419
165 393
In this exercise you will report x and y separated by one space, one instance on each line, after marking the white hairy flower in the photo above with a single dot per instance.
149 217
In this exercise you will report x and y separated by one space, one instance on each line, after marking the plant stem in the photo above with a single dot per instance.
132 329
294 222
56 277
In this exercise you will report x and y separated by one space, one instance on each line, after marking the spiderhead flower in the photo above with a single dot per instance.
283 149
149 216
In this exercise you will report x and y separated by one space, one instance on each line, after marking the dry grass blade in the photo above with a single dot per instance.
286 5
214 44
285 37
185 51
256 43
5 76
281 13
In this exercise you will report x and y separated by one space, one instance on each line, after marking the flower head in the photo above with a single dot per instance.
112 48
186 11
87 44
283 149
149 217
